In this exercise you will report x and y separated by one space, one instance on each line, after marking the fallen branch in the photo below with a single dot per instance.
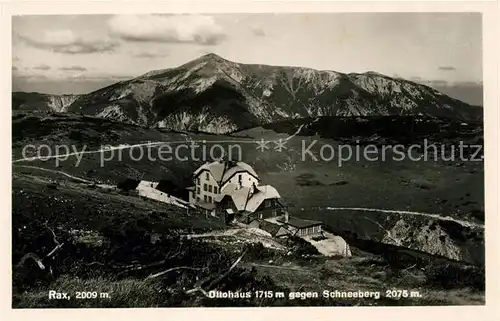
53 234
279 267
130 268
58 246
140 267
32 256
217 280
152 276
409 268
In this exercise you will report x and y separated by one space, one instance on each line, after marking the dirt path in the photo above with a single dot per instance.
229 232
296 133
57 172
126 146
111 148
436 216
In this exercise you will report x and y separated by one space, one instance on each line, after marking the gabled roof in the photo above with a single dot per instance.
302 223
260 195
205 205
215 168
226 190
247 198
221 171
240 197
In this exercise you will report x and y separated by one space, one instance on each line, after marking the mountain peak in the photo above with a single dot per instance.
212 56
376 73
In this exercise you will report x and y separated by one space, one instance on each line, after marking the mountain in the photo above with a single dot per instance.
215 95
45 102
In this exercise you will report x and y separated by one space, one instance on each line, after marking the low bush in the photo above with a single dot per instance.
450 276
301 248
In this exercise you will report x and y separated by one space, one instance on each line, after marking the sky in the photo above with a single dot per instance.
81 53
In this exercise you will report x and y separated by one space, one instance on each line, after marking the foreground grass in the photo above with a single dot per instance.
367 274
110 294
346 274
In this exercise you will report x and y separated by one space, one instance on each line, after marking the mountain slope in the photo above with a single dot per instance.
216 95
45 102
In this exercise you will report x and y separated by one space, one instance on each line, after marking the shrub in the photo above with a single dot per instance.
301 247
257 251
454 275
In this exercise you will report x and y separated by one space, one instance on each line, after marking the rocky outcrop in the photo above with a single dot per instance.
444 237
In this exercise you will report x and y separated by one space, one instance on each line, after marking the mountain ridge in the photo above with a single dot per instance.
216 95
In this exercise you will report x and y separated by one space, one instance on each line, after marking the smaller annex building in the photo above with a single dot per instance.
301 227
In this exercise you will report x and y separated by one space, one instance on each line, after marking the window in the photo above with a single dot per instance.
205 187
215 189
198 180
210 188
205 198
207 176
197 190
198 199
239 177
210 199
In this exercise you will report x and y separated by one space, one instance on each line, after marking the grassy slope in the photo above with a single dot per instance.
79 264
449 188
309 185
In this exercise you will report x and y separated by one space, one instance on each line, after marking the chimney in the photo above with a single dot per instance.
286 216
254 188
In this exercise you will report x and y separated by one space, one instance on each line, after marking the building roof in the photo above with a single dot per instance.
205 205
221 171
228 189
247 198
260 195
146 184
240 197
269 227
302 223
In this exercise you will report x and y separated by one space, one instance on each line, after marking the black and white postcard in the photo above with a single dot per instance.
250 159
